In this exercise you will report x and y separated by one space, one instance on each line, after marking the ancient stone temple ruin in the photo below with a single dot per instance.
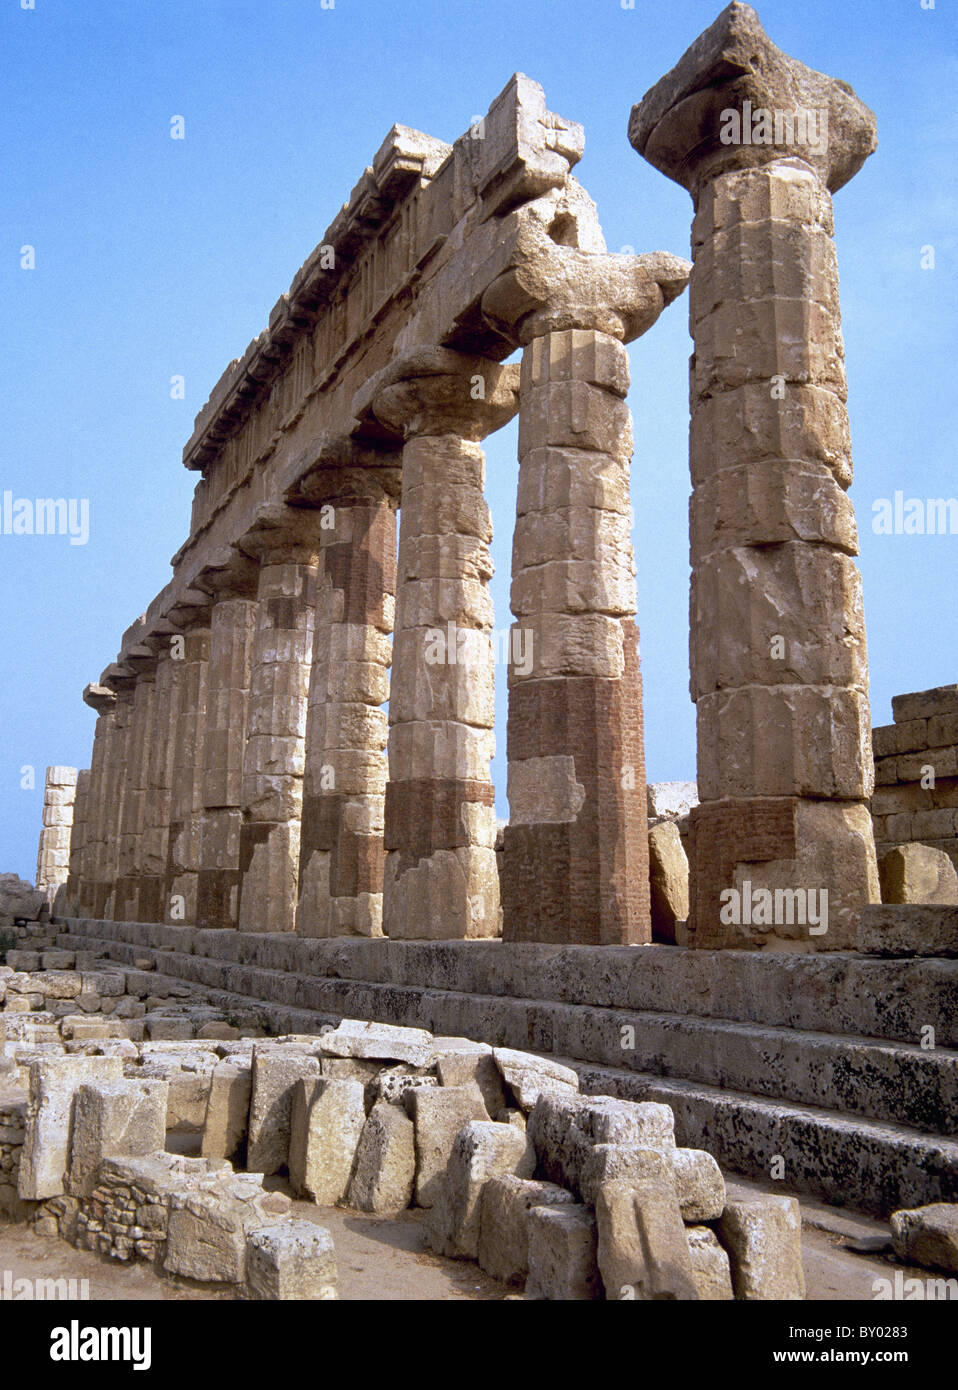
289 798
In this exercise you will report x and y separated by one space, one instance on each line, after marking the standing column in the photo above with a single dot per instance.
191 649
152 896
575 851
76 877
122 681
441 878
779 666
93 889
53 855
232 631
342 857
286 544
134 805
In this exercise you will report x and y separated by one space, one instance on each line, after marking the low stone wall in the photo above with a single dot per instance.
13 1107
916 773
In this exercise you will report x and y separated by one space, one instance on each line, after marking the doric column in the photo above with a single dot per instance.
342 857
778 657
126 905
53 854
120 679
233 625
191 649
152 899
441 876
78 841
93 889
285 542
575 855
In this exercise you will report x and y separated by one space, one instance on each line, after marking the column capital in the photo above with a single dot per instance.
343 470
99 697
736 101
190 610
551 288
283 535
435 391
227 574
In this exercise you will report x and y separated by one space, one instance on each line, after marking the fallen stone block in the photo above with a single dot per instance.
110 1118
392 1083
908 930
916 873
226 1121
710 1265
699 1184
669 880
643 1251
528 1076
482 1150
383 1041
274 1075
503 1235
385 1173
439 1113
45 1158
293 1260
206 1236
326 1121
763 1238
927 1236
474 1069
565 1128
563 1263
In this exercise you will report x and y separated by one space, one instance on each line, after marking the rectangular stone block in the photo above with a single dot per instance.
908 929
274 1076
115 1119
503 1237
45 1159
291 1261
563 1264
326 1121
763 1238
643 1251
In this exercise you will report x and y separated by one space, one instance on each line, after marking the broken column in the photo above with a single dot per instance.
53 855
441 879
191 649
778 657
575 858
232 583
285 543
342 859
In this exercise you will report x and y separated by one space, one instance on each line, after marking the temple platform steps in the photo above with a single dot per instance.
853 1107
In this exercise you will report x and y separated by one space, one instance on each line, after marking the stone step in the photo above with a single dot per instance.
889 1082
840 992
862 1163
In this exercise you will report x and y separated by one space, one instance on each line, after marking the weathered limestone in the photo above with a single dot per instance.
153 900
286 545
385 1172
927 1236
669 880
503 1250
136 793
562 1254
275 1074
710 1265
69 902
763 1238
92 890
779 668
227 1110
439 1113
575 857
53 854
326 1121
49 1129
643 1251
482 1151
917 873
192 650
233 623
342 859
114 1118
441 877
293 1260
916 774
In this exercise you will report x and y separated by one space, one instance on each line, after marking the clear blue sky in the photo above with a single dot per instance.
157 257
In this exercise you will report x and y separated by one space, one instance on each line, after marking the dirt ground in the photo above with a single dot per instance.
385 1260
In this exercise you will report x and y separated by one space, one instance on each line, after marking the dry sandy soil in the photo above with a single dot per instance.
385 1260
